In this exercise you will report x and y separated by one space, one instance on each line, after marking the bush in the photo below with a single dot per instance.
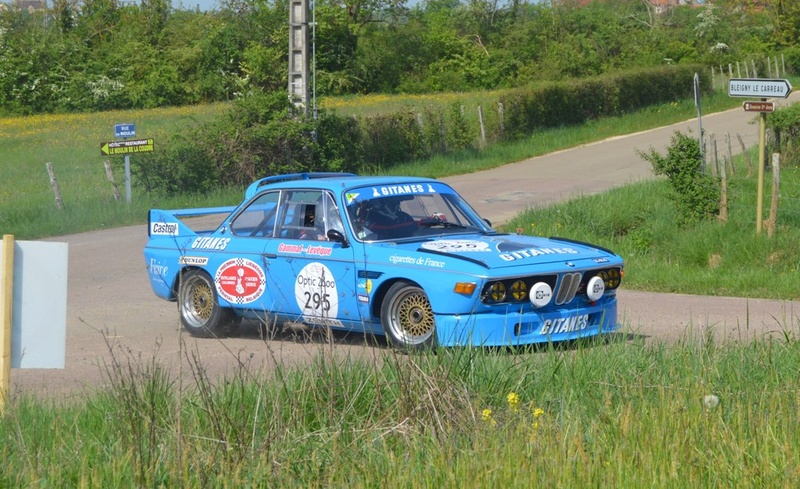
784 124
574 102
696 194
258 137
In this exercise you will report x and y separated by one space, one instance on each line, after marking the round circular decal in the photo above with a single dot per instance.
240 281
315 292
456 245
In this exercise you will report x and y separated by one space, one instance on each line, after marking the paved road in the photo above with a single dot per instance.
112 309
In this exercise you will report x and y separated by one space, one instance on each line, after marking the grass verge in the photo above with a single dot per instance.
696 414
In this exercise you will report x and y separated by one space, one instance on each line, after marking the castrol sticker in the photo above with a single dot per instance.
240 281
316 293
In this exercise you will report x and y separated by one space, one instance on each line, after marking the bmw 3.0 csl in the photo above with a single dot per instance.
403 257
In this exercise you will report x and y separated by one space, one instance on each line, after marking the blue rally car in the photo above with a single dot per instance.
397 256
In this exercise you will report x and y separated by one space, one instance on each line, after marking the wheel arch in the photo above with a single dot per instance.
380 294
178 276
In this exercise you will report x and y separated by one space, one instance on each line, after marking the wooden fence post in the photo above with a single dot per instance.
7 298
54 184
746 155
483 128
773 207
723 194
501 116
715 166
729 158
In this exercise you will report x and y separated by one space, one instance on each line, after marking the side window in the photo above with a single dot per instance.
302 215
258 218
333 218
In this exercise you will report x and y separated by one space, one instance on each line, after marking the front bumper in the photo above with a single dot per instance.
513 328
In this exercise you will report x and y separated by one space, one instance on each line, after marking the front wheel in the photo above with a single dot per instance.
407 317
199 307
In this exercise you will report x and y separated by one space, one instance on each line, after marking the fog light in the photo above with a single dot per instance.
519 290
595 288
541 293
497 292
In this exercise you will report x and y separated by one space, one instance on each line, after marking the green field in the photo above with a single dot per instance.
71 142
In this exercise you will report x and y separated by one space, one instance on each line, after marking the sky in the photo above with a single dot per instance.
204 5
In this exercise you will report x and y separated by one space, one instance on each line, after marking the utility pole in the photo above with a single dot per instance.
299 54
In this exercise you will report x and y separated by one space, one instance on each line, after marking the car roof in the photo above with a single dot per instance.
328 181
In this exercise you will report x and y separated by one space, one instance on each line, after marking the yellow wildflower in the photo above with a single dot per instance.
513 401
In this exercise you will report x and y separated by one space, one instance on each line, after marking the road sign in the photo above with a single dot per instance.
126 147
759 106
759 88
124 131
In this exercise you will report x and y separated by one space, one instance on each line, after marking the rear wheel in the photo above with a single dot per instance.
407 317
199 307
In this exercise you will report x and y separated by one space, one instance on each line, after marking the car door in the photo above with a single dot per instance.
246 277
314 276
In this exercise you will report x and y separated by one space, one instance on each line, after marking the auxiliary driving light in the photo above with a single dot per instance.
541 293
595 288
497 292
519 290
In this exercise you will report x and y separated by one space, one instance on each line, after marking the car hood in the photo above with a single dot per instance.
513 250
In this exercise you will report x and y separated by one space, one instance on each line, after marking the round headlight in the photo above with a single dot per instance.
541 293
497 292
595 288
519 290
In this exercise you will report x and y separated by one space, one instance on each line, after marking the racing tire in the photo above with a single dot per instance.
407 317
198 305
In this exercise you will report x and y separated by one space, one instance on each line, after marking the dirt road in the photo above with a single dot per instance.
111 307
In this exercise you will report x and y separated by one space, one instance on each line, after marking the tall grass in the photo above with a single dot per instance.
623 414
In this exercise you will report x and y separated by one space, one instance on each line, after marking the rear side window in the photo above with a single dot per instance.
258 218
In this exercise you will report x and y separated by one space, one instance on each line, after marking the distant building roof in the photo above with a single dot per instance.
30 5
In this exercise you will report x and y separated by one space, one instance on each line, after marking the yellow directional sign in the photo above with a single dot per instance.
126 147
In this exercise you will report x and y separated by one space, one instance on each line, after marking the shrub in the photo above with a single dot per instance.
696 194
785 130
258 137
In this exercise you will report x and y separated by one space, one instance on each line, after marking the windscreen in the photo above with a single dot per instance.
408 211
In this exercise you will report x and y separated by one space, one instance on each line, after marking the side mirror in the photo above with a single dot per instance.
488 222
336 235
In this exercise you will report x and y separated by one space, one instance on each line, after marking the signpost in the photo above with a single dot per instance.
126 147
759 106
762 88
759 88
124 131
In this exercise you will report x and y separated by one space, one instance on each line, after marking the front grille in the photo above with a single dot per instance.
568 287
565 288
